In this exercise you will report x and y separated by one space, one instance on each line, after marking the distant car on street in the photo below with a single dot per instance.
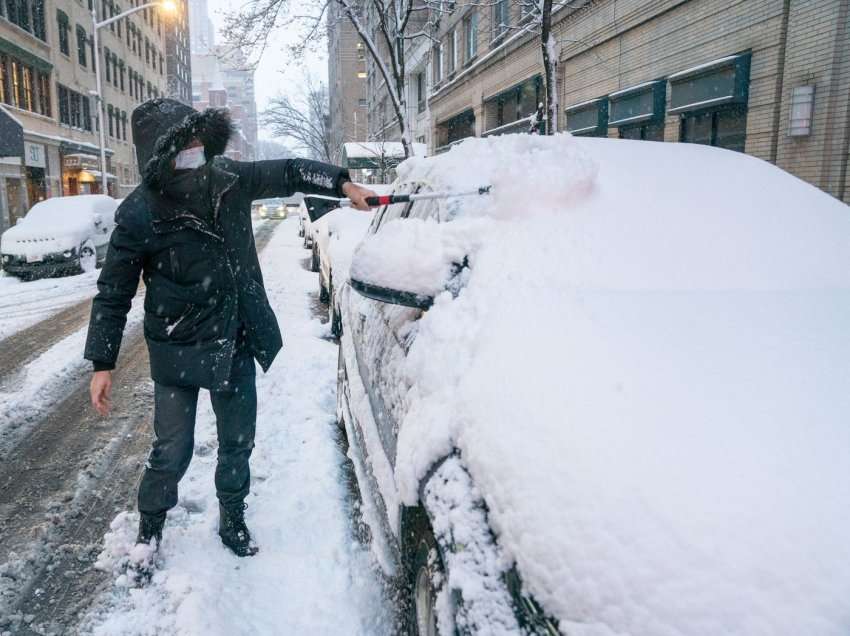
271 209
335 236
61 235
609 397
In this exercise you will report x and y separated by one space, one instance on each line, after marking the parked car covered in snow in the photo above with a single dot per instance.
610 397
305 227
60 235
335 236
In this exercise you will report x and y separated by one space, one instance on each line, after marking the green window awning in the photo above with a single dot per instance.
28 58
637 105
718 83
588 118
11 136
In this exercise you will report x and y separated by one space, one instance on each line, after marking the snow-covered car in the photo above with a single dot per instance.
335 236
610 397
305 230
59 235
271 209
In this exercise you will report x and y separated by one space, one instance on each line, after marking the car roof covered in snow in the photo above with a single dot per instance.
647 374
57 208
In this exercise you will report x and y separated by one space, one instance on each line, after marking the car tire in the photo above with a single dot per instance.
314 261
87 257
425 572
336 317
324 296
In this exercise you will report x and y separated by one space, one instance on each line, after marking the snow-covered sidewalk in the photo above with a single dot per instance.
311 576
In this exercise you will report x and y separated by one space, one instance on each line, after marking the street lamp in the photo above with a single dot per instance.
168 6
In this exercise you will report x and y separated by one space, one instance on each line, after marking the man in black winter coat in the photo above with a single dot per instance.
187 232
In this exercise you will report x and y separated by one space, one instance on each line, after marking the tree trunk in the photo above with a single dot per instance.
402 97
550 63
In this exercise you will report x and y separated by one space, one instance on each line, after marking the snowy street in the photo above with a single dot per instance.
68 482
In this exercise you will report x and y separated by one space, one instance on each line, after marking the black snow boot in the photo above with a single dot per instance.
150 533
150 527
233 531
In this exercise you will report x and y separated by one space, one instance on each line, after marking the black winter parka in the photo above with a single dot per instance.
201 273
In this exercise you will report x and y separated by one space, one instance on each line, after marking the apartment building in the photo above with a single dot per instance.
178 62
48 109
222 78
767 77
346 82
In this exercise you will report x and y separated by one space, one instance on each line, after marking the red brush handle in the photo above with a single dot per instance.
387 199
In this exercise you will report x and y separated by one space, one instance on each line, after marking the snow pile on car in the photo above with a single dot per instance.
648 376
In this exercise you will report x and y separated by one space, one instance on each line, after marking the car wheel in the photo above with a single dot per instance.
87 257
324 296
426 574
336 318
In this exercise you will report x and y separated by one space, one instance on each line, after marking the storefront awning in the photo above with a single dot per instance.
717 83
588 118
376 155
638 104
11 136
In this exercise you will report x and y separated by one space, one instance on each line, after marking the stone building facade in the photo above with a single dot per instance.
766 77
47 91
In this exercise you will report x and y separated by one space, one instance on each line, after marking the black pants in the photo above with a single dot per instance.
174 429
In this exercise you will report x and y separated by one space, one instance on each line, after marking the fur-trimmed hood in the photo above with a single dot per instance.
161 129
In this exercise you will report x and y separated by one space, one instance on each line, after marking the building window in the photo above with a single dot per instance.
106 58
74 108
645 132
501 18
38 28
470 35
420 92
28 102
109 115
5 95
115 70
121 71
452 61
712 101
124 125
724 128
86 112
44 95
160 63
82 41
438 63
63 28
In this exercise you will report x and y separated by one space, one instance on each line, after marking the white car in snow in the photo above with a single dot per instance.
335 236
610 397
58 236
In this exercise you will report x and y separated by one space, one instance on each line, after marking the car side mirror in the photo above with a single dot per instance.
407 263
98 220
18 220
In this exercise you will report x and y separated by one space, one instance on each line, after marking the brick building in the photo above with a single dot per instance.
47 83
346 82
767 77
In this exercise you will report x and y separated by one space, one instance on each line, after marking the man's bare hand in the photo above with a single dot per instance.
357 194
101 390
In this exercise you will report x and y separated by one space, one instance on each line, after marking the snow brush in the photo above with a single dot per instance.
318 206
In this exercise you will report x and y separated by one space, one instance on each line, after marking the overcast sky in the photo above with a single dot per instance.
274 75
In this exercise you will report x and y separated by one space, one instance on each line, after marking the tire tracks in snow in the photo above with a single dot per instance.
63 483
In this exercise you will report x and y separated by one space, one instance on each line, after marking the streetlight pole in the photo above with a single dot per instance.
165 4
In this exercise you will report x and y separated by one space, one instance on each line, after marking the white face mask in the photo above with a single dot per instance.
190 158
